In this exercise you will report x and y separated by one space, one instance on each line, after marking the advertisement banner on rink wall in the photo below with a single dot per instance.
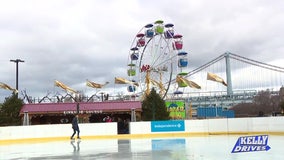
251 144
167 126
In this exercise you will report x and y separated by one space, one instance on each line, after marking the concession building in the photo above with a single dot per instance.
89 112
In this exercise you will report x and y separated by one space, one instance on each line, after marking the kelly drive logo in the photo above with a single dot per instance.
251 144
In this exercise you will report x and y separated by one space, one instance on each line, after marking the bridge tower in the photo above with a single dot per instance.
228 73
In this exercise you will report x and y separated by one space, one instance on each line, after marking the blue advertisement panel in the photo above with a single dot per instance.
167 126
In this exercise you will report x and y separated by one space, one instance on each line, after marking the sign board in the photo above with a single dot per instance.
167 126
251 144
176 109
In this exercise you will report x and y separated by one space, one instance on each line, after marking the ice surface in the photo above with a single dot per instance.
188 148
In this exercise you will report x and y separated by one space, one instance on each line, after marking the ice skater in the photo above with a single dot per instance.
75 127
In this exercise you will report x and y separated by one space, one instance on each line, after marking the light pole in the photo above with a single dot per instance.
17 70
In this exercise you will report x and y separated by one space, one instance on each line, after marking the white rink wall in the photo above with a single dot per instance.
222 126
205 126
56 130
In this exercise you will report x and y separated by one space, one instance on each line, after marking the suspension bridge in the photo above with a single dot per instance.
244 77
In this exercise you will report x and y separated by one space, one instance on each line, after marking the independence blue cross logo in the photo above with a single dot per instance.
167 126
251 144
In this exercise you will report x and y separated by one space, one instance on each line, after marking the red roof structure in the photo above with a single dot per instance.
84 107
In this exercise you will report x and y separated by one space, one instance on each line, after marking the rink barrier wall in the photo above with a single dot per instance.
204 127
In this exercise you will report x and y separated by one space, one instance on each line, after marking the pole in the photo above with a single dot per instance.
17 71
228 73
26 121
78 108
133 115
190 110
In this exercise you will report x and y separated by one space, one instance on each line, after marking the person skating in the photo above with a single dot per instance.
75 127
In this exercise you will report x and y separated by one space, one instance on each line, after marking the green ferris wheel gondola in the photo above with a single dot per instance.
159 27
179 81
131 71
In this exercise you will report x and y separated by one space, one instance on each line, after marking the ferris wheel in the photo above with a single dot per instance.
155 58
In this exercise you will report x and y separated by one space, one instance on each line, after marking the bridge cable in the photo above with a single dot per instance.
275 68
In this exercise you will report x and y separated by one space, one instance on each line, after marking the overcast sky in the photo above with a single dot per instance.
72 40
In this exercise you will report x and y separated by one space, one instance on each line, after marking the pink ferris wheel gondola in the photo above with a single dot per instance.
178 42
141 40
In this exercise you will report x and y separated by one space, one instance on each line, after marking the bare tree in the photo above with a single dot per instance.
262 98
45 97
26 97
264 103
94 95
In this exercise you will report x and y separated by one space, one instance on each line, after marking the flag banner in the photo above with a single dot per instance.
7 87
63 86
95 85
189 83
158 84
214 77
192 84
119 80
179 79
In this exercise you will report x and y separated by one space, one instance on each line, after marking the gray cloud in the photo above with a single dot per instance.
77 40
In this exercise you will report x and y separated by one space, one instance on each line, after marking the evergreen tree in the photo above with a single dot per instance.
154 108
10 110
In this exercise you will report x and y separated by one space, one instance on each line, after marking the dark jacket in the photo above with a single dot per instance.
75 123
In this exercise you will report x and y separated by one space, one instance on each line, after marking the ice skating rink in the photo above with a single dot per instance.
214 147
